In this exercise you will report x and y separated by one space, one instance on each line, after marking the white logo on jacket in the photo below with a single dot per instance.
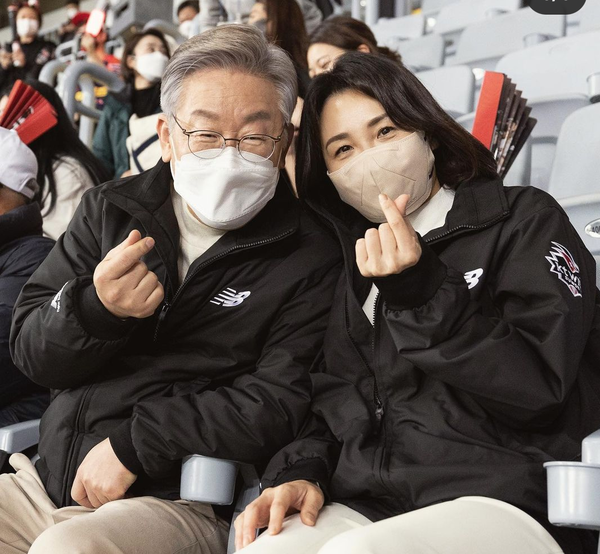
56 300
563 264
472 277
229 298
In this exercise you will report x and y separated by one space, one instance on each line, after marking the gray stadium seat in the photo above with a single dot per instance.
575 178
586 19
553 77
402 28
483 44
430 7
419 54
452 87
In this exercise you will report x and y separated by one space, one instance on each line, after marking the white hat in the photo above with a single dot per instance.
18 165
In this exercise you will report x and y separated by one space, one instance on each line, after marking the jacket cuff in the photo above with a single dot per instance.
122 445
312 469
415 286
96 319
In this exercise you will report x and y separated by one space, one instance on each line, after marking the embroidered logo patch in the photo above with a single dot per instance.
563 265
56 300
229 298
472 277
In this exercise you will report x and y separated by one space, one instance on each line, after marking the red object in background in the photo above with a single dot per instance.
28 113
95 22
487 108
80 19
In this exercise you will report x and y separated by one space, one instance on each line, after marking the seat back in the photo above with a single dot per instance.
458 16
407 27
419 54
554 68
589 17
484 43
452 87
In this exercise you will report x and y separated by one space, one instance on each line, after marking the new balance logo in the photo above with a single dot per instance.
472 277
229 298
56 300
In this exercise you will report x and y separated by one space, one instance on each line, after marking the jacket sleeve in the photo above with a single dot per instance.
16 270
101 145
520 363
254 417
62 334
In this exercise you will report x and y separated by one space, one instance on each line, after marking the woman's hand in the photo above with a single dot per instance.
273 505
391 248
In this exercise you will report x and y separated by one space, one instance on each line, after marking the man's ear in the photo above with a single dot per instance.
289 137
162 128
363 48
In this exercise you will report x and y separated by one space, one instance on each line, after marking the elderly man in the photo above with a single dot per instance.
179 314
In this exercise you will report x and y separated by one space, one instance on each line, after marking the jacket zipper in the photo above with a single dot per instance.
78 431
379 410
169 304
378 401
467 227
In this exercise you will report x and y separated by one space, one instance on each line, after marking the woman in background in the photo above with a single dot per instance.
144 60
338 35
66 167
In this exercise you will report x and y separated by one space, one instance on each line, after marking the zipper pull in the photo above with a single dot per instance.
379 411
161 317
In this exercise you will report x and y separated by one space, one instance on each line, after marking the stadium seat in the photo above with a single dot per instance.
585 20
482 44
553 77
431 7
575 174
452 87
452 19
420 54
399 28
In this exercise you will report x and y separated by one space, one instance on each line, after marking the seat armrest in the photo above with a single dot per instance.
19 436
205 479
590 449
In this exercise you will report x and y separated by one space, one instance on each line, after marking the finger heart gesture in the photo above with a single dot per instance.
391 248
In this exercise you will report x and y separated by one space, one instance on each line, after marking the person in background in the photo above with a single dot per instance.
145 58
30 53
213 12
463 346
283 24
69 28
95 51
186 12
338 35
66 167
290 158
22 249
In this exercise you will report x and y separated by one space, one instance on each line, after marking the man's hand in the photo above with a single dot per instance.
101 477
124 284
273 505
393 247
18 58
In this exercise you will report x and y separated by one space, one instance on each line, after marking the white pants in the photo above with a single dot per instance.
468 525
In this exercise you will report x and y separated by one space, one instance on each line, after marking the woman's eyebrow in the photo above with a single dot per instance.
376 120
340 136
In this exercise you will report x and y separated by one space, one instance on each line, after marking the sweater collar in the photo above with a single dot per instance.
20 222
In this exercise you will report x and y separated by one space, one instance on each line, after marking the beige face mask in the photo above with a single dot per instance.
404 166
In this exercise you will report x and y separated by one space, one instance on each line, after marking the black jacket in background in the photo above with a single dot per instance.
37 54
22 249
200 376
483 364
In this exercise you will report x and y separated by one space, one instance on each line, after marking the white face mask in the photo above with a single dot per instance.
27 27
403 166
151 66
72 12
225 192
185 28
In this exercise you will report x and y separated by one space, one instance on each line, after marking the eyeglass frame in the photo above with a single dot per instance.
276 140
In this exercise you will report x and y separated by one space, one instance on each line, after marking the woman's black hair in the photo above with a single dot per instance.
127 73
459 156
62 140
348 34
35 8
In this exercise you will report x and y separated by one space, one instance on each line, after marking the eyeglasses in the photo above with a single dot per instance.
206 144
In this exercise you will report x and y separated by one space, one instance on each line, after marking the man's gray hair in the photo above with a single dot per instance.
231 47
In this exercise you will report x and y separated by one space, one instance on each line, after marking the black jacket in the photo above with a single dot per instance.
22 249
37 54
483 364
197 377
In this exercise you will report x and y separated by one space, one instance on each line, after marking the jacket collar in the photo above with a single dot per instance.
147 197
21 222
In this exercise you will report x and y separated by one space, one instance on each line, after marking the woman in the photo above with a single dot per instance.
282 23
144 60
29 53
66 167
338 35
454 365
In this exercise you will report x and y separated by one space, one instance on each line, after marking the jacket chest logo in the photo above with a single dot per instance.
229 298
472 277
563 265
